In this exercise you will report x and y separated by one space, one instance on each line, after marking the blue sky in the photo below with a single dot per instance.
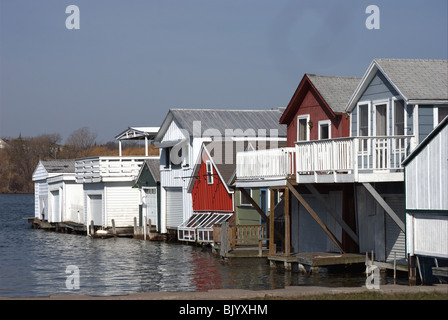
131 61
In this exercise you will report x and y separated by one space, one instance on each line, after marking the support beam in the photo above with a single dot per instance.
271 224
146 146
254 204
314 215
287 225
335 216
385 206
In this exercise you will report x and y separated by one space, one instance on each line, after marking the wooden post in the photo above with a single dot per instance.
287 225
412 272
92 228
149 229
224 239
271 224
144 227
135 226
114 231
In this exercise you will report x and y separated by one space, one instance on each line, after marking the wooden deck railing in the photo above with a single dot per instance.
94 169
241 235
353 154
271 163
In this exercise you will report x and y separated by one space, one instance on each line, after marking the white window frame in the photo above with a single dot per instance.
307 118
241 198
376 103
369 124
209 165
405 123
324 123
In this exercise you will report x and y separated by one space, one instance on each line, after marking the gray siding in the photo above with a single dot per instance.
379 88
425 121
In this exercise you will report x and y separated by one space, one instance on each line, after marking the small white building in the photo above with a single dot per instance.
57 197
426 184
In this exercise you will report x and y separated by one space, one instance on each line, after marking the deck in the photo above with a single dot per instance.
317 259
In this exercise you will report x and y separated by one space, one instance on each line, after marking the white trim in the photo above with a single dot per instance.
322 123
241 197
376 103
416 125
435 116
369 125
301 117
209 165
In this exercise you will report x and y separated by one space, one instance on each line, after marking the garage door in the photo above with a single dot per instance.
174 207
96 209
395 237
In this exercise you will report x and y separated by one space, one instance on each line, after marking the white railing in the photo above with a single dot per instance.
95 169
271 163
352 154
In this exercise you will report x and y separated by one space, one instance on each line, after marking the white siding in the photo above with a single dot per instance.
427 176
173 132
437 243
122 203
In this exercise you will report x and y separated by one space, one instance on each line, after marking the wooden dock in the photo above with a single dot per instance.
316 259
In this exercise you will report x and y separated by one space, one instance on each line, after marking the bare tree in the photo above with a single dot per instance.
80 142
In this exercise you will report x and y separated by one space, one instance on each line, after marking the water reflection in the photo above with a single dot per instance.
33 263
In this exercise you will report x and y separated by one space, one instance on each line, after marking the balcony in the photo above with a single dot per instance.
355 159
265 167
98 169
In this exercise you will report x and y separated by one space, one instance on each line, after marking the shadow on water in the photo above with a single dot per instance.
34 263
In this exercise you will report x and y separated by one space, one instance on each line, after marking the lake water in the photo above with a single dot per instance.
34 263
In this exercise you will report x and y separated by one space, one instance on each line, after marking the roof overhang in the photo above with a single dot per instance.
138 133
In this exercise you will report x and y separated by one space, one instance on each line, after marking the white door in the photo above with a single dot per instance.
174 207
150 205
55 207
96 209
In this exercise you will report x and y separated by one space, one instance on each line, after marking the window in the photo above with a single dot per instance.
302 128
209 166
324 129
243 200
443 112
363 125
167 157
399 118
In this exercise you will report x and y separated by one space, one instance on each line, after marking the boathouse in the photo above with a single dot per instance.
180 139
110 201
426 185
314 218
148 182
56 194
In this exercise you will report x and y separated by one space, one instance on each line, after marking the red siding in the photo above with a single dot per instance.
210 197
313 105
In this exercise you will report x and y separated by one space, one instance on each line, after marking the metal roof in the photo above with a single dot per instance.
59 165
138 133
219 120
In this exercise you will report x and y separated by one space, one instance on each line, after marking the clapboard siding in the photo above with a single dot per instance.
427 176
436 226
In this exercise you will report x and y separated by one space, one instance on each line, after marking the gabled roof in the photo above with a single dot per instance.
334 91
418 81
138 133
59 165
221 120
217 152
47 168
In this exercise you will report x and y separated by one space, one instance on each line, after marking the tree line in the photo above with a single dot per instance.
20 156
